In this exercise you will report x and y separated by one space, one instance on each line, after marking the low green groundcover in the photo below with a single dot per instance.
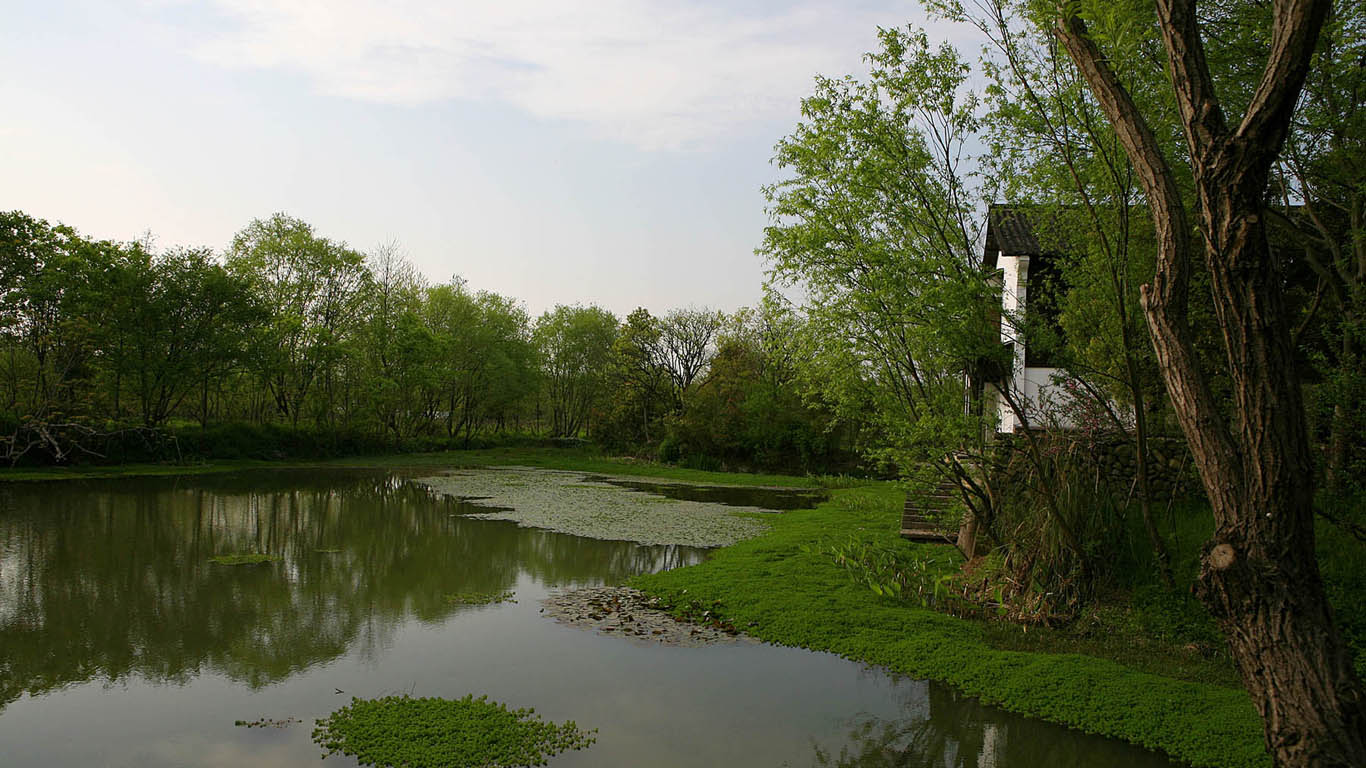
443 733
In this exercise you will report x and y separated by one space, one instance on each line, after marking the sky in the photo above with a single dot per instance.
566 151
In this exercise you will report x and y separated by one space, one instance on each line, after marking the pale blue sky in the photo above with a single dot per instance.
559 152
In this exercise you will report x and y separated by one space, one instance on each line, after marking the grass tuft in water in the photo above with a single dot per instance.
244 558
405 731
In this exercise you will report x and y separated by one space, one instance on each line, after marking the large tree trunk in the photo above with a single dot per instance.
1259 576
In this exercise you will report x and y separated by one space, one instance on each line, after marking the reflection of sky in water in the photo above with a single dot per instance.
123 646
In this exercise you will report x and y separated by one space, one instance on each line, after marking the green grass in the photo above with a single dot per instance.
462 733
783 587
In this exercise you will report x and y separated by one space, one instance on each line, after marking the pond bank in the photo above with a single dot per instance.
783 588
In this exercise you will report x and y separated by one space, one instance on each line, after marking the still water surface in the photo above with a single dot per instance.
122 645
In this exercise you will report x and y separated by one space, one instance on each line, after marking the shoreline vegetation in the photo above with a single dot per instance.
576 458
1110 674
784 588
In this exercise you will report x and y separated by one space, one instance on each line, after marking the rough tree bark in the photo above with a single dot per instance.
1259 577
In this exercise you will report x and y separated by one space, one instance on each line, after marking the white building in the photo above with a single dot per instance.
1022 267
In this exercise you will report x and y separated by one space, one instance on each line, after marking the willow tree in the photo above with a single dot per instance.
1259 576
876 226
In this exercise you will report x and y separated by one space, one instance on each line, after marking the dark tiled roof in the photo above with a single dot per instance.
1009 231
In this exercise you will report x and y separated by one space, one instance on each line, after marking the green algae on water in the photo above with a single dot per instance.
577 504
244 558
405 731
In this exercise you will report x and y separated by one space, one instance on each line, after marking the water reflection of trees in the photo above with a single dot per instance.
110 579
944 729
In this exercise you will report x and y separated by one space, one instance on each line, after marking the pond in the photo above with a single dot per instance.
123 644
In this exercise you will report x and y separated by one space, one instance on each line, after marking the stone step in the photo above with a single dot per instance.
917 523
932 535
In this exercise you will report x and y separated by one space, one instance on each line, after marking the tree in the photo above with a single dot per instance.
575 345
642 384
1259 576
313 288
1324 168
50 291
396 353
684 347
176 320
749 411
876 226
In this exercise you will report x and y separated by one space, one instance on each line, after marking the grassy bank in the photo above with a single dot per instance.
785 587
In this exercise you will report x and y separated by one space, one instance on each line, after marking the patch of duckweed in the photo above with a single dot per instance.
444 733
572 502
244 558
480 598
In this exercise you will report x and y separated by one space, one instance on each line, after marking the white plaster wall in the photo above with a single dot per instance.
1033 386
1014 294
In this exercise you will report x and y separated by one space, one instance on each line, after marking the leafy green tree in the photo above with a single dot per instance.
575 346
1323 169
506 375
50 293
1075 188
641 387
314 288
749 411
174 321
876 227
485 356
398 352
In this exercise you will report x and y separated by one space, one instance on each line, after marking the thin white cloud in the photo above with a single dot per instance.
652 73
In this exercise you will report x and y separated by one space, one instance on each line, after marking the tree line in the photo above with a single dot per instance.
290 329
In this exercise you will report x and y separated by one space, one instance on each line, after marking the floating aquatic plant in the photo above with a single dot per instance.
574 503
267 722
244 558
480 598
405 731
